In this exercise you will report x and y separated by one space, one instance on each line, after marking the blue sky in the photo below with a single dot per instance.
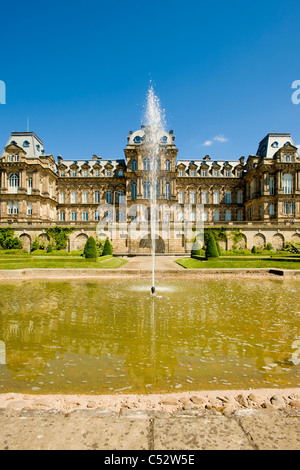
80 70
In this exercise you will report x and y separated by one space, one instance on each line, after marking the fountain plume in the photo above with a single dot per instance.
154 129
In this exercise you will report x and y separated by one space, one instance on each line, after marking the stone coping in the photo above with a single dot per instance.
75 273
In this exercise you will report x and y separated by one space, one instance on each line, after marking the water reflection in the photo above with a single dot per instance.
112 335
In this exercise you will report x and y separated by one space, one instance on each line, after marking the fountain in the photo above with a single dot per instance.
154 120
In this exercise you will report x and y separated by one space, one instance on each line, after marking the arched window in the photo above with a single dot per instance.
181 197
133 165
271 209
204 197
120 196
108 197
287 183
164 139
146 190
239 197
271 185
133 190
193 197
216 197
168 191
13 183
137 139
167 166
26 143
228 197
61 197
228 215
146 164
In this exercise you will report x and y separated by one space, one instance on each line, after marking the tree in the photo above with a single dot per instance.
49 249
219 248
90 248
108 248
211 248
7 239
254 250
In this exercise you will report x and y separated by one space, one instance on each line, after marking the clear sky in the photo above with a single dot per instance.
80 70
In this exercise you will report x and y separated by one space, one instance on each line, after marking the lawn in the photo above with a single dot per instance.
225 263
57 260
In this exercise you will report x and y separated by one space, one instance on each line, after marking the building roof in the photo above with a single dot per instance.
272 143
29 142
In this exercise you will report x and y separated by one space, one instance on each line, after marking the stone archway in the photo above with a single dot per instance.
80 241
146 244
278 241
259 241
26 241
296 238
242 243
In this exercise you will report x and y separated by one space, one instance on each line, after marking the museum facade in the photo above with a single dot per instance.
259 196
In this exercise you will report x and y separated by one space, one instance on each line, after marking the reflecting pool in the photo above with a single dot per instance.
113 336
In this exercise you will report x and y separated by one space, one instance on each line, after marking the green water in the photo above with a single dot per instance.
112 336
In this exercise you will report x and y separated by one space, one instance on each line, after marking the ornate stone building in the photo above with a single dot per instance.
259 196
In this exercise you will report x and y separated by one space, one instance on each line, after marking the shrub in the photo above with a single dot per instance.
59 236
196 249
269 247
90 248
254 250
292 247
8 241
108 248
35 244
219 248
211 248
49 249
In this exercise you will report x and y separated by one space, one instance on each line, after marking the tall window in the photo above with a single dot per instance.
9 208
62 216
61 197
73 197
85 197
239 197
181 197
227 173
120 197
29 186
271 209
228 215
146 164
181 173
167 166
287 183
146 190
16 208
216 197
239 215
134 165
133 191
73 216
288 208
216 215
13 183
74 173
85 216
97 215
97 172
204 172
168 191
97 197
204 197
29 208
271 185
85 173
108 197
228 197
192 197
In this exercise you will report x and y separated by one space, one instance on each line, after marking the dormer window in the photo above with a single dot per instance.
26 143
108 173
287 144
275 145
120 173
164 139
137 139
193 172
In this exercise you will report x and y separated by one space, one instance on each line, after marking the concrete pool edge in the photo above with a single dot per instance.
68 273
186 403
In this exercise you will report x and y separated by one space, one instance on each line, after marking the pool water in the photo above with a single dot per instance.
112 336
